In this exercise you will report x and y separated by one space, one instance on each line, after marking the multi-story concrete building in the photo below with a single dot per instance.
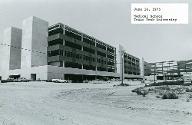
70 48
165 70
184 66
131 66
147 69
60 52
24 52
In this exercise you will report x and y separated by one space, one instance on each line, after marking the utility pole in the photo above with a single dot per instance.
154 72
142 69
171 75
185 67
121 53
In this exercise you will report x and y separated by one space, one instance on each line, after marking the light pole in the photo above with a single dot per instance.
121 51
154 72
170 74
122 74
162 63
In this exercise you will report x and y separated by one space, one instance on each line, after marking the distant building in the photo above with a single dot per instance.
165 70
147 69
184 66
131 66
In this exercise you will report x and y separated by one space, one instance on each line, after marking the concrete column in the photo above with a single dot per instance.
34 44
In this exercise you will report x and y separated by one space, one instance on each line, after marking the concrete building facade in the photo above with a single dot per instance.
70 48
147 69
34 45
10 51
34 42
61 52
78 50
131 65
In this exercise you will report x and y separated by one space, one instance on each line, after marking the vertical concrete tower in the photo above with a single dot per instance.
34 43
10 49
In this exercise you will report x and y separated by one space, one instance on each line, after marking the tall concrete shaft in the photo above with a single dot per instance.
34 43
10 49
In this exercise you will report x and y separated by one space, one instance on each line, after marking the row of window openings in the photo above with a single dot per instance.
133 63
131 59
79 47
134 73
59 52
131 67
132 70
79 66
78 56
77 37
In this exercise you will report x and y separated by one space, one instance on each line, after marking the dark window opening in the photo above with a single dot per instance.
89 67
73 55
91 42
70 34
110 50
110 63
111 70
55 42
88 58
55 53
101 61
89 50
101 46
72 45
110 56
101 54
101 69
73 65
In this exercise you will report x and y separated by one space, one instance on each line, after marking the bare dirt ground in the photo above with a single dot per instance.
41 103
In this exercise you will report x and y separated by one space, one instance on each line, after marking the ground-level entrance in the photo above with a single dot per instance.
33 77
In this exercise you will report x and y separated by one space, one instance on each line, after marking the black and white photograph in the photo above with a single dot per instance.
95 62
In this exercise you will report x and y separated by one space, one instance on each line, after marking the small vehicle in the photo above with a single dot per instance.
85 81
59 81
10 80
22 79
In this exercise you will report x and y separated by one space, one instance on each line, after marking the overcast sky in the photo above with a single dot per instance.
107 20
